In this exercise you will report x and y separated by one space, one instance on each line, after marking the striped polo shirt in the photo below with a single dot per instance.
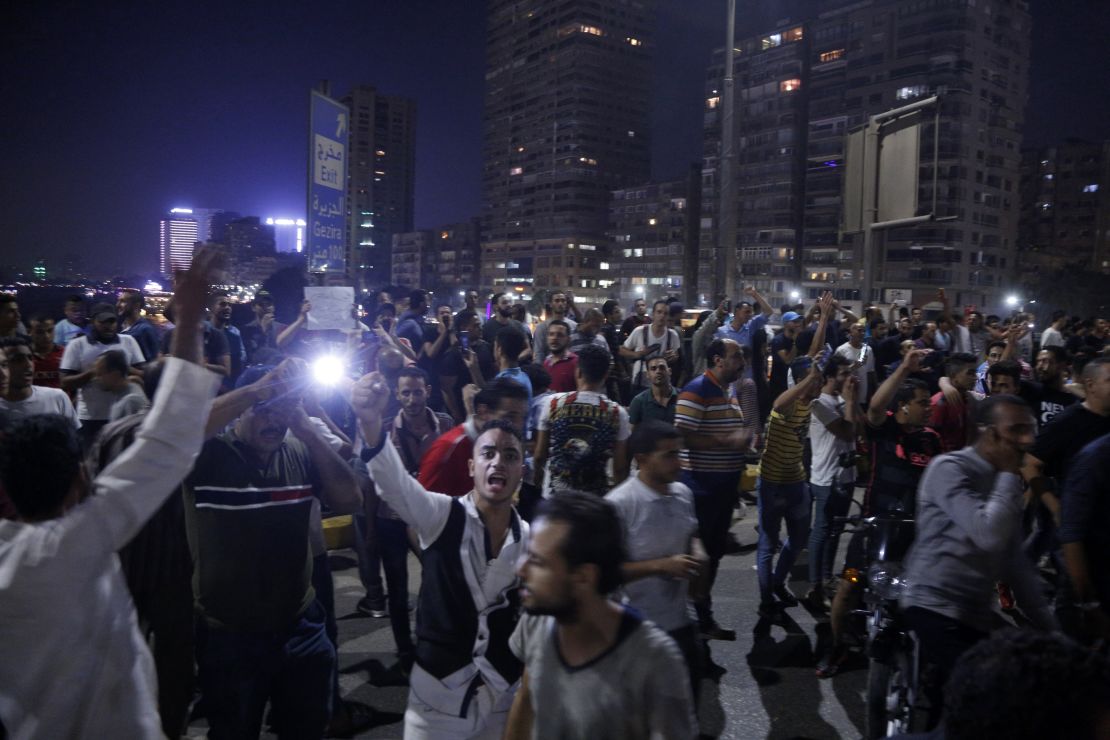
782 455
704 407
247 521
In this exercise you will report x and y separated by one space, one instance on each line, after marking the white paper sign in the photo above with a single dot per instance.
331 307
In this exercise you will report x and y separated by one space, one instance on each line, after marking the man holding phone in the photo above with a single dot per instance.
648 340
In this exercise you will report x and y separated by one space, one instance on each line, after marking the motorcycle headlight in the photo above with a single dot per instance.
885 580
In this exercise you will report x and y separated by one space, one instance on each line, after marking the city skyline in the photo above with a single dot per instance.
118 118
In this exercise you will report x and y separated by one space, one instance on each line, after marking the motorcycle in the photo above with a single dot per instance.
894 670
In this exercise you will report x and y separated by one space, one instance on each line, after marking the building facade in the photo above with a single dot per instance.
566 121
288 234
412 259
801 88
381 175
455 263
177 237
1065 208
652 229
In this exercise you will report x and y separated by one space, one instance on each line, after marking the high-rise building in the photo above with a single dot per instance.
566 122
381 174
413 259
456 262
1065 208
288 234
769 170
249 237
652 229
217 223
832 73
212 222
177 235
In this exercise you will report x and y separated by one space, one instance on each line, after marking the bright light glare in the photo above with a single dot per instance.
1011 300
152 286
795 295
328 370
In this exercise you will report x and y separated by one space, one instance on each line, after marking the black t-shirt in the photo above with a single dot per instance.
890 349
631 323
1045 402
215 344
832 336
1085 516
781 343
452 364
491 327
898 459
1069 432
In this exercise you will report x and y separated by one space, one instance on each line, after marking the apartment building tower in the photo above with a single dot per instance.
381 175
800 88
566 121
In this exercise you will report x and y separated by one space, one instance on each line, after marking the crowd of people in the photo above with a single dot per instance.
567 483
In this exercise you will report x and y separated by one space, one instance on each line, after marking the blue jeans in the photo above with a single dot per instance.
240 671
829 502
778 502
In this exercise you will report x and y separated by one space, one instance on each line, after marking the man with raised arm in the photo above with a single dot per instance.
901 447
463 682
72 662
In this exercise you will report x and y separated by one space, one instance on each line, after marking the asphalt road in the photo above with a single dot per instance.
765 685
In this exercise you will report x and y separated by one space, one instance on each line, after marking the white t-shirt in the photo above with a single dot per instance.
1052 338
644 336
656 526
131 401
852 354
42 401
827 447
93 403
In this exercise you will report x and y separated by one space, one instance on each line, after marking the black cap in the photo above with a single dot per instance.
102 311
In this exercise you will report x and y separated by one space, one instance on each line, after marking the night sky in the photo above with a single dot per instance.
114 114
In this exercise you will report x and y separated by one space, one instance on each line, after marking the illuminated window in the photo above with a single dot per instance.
634 42
713 102
910 91
831 56
520 149
587 247
651 222
789 85
516 171
587 160
604 265
794 34
1092 188
444 234
380 152
592 30
770 42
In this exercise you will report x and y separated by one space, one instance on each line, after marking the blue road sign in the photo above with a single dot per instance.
327 185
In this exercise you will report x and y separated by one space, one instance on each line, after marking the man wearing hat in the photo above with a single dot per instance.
94 403
264 330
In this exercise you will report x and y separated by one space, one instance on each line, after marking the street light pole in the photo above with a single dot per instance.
724 282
